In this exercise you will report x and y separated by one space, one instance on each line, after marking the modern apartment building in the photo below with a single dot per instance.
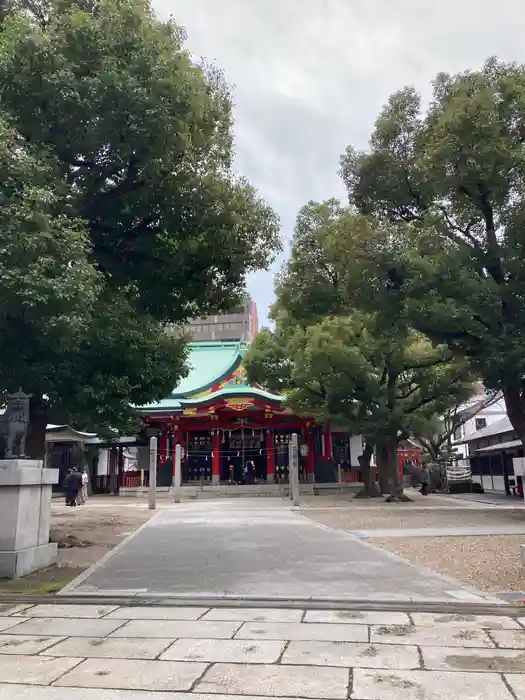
241 323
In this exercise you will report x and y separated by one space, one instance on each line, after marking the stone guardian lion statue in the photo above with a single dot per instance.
15 423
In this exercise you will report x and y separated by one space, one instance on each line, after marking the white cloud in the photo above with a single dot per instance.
310 76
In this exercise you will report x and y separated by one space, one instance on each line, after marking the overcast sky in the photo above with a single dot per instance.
310 76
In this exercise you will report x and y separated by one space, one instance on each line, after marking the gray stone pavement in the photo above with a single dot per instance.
258 548
106 652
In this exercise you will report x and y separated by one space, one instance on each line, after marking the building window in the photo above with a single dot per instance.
458 433
481 423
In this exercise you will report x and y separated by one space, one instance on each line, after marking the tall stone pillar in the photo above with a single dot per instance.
215 458
270 457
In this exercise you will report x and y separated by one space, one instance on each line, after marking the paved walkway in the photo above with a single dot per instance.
258 548
464 531
103 652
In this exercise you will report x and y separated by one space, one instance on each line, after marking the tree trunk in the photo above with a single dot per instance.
36 434
515 407
370 488
395 479
382 469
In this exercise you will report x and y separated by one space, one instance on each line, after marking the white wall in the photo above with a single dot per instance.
356 449
492 414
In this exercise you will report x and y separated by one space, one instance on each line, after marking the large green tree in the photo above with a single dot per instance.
452 179
144 220
343 349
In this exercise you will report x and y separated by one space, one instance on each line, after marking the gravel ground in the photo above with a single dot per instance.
491 564
401 515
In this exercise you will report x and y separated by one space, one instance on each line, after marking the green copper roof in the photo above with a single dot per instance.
210 364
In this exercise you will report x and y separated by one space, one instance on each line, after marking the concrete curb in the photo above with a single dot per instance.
449 607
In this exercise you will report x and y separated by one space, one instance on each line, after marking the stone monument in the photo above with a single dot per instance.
25 497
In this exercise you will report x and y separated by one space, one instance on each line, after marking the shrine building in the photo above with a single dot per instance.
222 421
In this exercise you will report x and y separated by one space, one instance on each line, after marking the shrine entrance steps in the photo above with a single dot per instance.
209 491
195 491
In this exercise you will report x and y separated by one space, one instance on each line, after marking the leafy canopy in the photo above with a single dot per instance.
453 178
342 349
121 212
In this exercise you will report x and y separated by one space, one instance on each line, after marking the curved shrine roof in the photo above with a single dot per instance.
216 372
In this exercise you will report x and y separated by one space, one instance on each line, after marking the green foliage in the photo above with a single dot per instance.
143 138
121 210
343 350
453 178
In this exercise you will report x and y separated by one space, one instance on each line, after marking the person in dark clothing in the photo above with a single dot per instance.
72 485
425 480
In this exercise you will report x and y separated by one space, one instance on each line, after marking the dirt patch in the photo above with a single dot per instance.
84 534
491 564
480 662
397 630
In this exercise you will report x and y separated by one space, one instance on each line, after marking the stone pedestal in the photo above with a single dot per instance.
25 517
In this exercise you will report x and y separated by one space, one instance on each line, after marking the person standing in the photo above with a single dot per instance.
74 486
83 491
67 487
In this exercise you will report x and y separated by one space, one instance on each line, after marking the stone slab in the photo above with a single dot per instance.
427 685
35 670
26 644
303 632
509 639
350 654
492 622
276 681
255 614
133 675
25 472
17 563
13 609
517 683
158 613
454 659
357 617
224 651
441 636
67 611
61 627
109 648
8 622
28 692
175 628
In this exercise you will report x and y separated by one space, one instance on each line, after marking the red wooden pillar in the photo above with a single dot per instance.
163 443
328 442
215 458
270 457
310 459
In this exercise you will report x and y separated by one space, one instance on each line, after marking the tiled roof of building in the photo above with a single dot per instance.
209 362
215 372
